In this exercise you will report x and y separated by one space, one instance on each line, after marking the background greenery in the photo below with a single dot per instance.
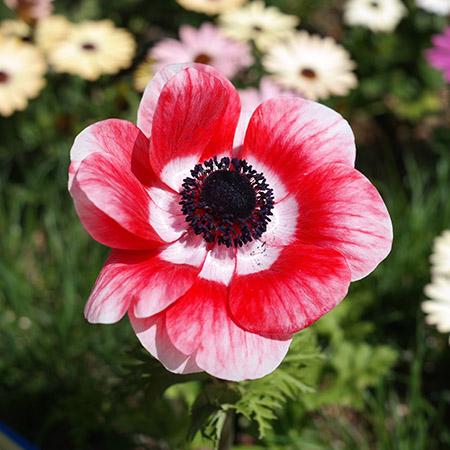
381 377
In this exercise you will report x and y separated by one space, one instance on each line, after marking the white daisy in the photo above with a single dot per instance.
441 7
438 291
22 70
265 25
377 15
315 67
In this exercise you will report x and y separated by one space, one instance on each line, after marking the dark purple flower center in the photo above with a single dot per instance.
89 46
4 77
227 201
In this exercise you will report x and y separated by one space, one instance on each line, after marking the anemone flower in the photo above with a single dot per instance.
220 254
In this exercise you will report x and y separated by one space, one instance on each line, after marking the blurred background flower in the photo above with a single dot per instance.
441 7
30 10
93 48
258 23
22 70
437 309
206 45
377 15
315 67
51 31
211 6
439 55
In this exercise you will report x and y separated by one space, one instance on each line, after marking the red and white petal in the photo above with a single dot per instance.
152 334
196 117
116 138
102 228
198 324
169 275
341 209
166 217
292 136
153 90
122 278
281 230
107 183
303 284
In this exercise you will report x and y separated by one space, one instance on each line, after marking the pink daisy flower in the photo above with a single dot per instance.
218 254
31 9
439 55
206 45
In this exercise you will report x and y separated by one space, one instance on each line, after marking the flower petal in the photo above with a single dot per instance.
153 90
117 138
196 117
341 209
303 284
169 275
281 230
198 323
108 184
119 281
291 136
152 334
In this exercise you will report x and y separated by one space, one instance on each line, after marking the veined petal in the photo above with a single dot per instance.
341 209
119 139
292 136
120 280
196 117
221 348
152 334
299 287
107 183
154 88
169 275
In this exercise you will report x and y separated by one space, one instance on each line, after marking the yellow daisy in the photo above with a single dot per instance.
51 31
15 29
265 25
211 6
93 48
143 74
22 70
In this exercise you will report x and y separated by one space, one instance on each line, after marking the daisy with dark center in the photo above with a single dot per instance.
315 67
205 45
223 247
22 71
91 49
377 15
264 25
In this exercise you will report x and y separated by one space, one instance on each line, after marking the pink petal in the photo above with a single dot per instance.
103 228
153 90
117 138
293 136
107 182
169 275
122 277
198 324
303 284
196 118
341 209
152 334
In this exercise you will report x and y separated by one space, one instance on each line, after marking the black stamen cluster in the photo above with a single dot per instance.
227 201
